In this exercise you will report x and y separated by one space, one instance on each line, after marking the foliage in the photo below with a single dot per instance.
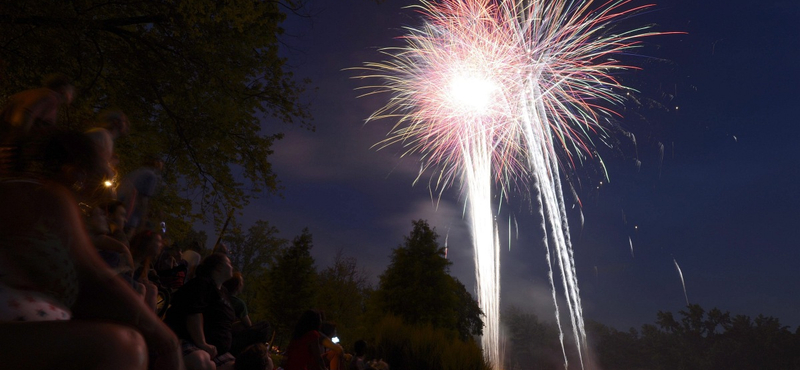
417 287
192 236
196 79
293 287
406 346
342 291
468 321
254 254
255 251
699 340
530 344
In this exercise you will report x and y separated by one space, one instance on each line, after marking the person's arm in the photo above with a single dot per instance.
102 295
316 353
194 325
246 321
327 343
150 294
107 243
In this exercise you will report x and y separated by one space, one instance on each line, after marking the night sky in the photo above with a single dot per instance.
722 201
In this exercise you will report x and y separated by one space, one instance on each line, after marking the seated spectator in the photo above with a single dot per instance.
135 190
192 257
234 286
35 111
117 217
145 247
114 253
201 316
112 124
30 114
245 333
52 273
333 352
171 268
305 349
359 362
254 357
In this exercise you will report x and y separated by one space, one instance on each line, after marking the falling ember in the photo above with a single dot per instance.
630 241
504 96
683 282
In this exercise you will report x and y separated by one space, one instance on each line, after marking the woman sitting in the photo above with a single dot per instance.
201 316
50 273
245 333
305 349
145 247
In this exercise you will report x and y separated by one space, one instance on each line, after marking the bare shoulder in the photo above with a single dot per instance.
57 198
25 202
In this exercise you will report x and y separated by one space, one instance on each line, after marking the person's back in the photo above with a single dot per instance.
33 259
358 361
305 350
304 353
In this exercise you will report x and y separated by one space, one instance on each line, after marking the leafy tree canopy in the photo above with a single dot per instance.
342 290
417 287
293 286
195 78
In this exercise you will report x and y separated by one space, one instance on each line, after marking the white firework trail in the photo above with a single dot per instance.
683 282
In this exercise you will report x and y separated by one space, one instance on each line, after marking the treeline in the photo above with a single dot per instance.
418 317
421 317
694 339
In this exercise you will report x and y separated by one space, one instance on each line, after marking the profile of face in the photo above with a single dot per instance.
154 246
68 94
119 218
97 221
224 271
122 125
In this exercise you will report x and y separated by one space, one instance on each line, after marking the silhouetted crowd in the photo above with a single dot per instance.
86 281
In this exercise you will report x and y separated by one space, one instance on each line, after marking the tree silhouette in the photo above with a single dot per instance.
292 287
416 286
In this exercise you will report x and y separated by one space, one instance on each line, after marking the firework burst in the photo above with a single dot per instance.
507 94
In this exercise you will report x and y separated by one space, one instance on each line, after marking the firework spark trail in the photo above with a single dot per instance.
500 93
683 283
477 177
545 170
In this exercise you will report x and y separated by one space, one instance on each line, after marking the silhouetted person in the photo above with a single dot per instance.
202 316
305 349
255 357
112 124
135 191
52 273
34 111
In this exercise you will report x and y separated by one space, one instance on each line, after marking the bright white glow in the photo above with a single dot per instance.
474 94
477 178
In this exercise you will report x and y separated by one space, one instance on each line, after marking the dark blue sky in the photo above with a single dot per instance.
722 202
